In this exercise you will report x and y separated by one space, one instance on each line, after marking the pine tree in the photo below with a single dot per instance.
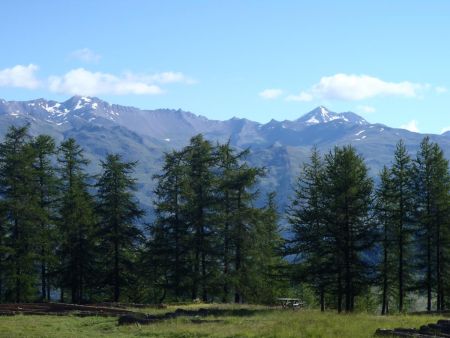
441 215
265 266
76 222
199 161
170 237
423 167
20 205
242 224
235 182
46 181
348 196
307 223
383 211
228 163
402 180
118 211
432 205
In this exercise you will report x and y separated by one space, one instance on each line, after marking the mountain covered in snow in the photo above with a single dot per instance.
144 135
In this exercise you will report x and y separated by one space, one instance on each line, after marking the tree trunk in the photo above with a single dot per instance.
438 270
116 270
43 280
384 307
322 299
339 299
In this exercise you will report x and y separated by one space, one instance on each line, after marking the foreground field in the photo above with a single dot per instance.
256 322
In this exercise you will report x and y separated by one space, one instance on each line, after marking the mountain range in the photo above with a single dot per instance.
144 136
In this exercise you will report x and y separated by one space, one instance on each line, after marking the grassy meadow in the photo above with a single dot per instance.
258 321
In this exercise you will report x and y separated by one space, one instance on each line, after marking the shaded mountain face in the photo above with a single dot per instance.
144 135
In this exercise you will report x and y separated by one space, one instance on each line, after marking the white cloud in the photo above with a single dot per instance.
161 78
366 109
83 82
85 55
19 76
411 126
352 87
271 94
440 89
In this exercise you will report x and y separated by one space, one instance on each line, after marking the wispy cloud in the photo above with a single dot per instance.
350 87
441 89
161 78
271 94
411 126
19 76
83 82
85 55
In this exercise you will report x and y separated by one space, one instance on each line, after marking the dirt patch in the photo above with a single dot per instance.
202 312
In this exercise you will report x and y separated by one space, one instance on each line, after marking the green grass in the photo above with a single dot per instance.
264 322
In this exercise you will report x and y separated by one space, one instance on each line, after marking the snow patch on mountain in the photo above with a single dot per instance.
323 115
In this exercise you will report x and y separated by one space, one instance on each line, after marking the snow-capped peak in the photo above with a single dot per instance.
322 115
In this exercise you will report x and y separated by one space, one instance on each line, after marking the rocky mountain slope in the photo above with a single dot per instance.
144 135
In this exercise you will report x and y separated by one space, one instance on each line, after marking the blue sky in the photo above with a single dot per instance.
386 60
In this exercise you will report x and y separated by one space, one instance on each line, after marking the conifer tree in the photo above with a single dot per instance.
242 224
20 206
199 161
227 164
118 212
441 216
402 183
235 214
307 223
265 266
170 236
46 181
432 187
348 196
77 221
383 211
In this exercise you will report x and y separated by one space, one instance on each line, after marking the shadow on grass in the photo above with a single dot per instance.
202 312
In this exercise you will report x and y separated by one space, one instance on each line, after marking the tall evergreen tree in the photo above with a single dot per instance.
423 167
20 205
432 207
402 181
348 195
76 222
199 161
170 236
264 278
227 164
441 215
235 214
306 217
331 220
118 211
46 181
383 211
